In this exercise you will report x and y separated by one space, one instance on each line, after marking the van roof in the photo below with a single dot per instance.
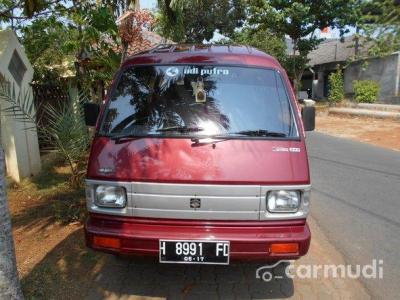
207 54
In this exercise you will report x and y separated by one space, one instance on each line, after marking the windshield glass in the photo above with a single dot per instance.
193 100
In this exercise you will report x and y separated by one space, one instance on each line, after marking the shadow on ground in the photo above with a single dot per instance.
71 271
133 279
66 272
45 198
63 206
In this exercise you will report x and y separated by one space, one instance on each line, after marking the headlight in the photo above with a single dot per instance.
283 201
110 196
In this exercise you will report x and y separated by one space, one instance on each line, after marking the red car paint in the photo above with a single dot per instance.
174 160
249 240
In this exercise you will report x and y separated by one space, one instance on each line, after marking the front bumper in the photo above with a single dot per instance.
249 240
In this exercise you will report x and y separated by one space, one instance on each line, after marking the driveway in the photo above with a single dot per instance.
356 203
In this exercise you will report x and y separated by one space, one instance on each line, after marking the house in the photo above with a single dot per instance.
18 138
150 40
147 39
334 53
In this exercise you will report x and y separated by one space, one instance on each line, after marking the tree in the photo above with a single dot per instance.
9 282
83 39
300 20
264 40
86 34
120 6
194 21
13 12
48 42
97 46
380 23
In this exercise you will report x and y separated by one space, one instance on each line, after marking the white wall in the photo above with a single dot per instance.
21 146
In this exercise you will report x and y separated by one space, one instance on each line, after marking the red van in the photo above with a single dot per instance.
199 157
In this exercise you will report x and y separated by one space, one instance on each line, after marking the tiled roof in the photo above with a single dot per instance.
149 41
333 50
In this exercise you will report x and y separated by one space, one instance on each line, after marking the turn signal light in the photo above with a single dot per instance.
284 248
106 242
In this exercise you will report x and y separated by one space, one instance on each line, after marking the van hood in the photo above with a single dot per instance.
179 160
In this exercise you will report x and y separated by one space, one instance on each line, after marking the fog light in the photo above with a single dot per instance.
292 248
106 242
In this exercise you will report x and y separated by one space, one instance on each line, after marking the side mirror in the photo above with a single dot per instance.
91 112
308 116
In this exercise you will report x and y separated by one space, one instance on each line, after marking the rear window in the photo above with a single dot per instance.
206 100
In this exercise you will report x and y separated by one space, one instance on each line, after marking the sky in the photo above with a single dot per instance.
148 4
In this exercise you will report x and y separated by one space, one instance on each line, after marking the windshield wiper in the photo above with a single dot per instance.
117 138
261 132
180 129
201 141
213 139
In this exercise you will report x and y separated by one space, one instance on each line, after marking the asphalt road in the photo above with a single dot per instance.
356 202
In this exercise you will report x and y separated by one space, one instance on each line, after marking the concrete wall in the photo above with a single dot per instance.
20 145
384 70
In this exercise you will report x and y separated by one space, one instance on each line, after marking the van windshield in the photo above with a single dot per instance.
198 100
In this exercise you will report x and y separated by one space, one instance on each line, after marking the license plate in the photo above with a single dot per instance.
194 252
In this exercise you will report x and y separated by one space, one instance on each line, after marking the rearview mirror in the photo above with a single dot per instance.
91 112
308 116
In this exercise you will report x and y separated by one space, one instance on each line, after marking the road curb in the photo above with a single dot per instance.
365 113
376 106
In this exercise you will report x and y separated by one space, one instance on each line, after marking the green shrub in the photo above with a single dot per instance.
336 87
366 91
67 132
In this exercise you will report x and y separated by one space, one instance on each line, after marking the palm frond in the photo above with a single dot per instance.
20 106
66 129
